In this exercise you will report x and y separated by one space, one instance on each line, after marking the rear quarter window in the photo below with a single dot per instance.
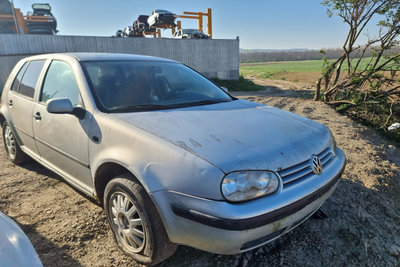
30 78
17 80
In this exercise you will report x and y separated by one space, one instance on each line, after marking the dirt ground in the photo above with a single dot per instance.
362 227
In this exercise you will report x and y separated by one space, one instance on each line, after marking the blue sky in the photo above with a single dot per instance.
267 24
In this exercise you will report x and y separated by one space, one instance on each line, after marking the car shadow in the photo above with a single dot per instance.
50 254
33 166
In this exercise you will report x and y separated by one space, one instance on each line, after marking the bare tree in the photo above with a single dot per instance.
355 69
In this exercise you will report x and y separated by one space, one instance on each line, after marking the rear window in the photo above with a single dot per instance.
17 80
30 78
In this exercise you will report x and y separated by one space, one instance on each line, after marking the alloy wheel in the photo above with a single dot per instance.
10 142
127 222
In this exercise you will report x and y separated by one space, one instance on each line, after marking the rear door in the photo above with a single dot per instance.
62 139
20 102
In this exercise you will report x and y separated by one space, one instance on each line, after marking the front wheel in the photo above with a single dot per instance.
136 225
13 151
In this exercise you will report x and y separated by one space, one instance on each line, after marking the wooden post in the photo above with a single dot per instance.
200 21
179 25
159 33
199 17
21 21
14 18
209 23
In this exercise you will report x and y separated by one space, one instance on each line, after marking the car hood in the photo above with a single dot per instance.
236 135
15 247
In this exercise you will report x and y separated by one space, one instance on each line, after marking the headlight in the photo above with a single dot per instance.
246 185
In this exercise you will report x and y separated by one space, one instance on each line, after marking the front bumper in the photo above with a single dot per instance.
226 228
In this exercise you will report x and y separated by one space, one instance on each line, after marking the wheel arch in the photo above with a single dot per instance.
105 173
2 119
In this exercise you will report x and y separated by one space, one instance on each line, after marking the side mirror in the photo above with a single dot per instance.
59 106
225 89
64 106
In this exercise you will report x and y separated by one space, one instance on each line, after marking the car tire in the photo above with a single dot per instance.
134 221
13 151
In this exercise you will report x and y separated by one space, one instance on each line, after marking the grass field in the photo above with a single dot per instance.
284 66
296 71
306 71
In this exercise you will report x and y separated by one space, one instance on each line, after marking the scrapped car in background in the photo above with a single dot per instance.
6 26
172 157
15 247
160 18
141 26
190 34
127 32
48 25
118 33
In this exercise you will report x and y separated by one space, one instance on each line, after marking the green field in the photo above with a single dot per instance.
284 66
271 69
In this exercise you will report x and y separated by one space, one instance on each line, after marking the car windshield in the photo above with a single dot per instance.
124 86
188 31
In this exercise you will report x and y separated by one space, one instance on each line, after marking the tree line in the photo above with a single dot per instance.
331 53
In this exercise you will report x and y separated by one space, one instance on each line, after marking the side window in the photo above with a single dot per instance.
60 82
17 80
30 78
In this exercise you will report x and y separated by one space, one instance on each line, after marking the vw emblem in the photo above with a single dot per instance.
316 165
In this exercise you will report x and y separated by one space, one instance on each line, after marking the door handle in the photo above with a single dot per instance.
37 116
10 103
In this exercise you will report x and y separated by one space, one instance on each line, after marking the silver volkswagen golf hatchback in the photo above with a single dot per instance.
173 158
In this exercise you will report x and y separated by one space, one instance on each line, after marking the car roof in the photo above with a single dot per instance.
86 56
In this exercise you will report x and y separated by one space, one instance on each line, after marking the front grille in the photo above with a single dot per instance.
303 170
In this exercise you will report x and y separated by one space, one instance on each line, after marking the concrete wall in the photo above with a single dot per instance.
212 58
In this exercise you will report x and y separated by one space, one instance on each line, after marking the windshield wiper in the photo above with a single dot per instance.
143 107
149 107
206 102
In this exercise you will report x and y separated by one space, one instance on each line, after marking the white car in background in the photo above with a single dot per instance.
161 18
15 247
190 34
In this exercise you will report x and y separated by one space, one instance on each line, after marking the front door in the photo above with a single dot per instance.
62 139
